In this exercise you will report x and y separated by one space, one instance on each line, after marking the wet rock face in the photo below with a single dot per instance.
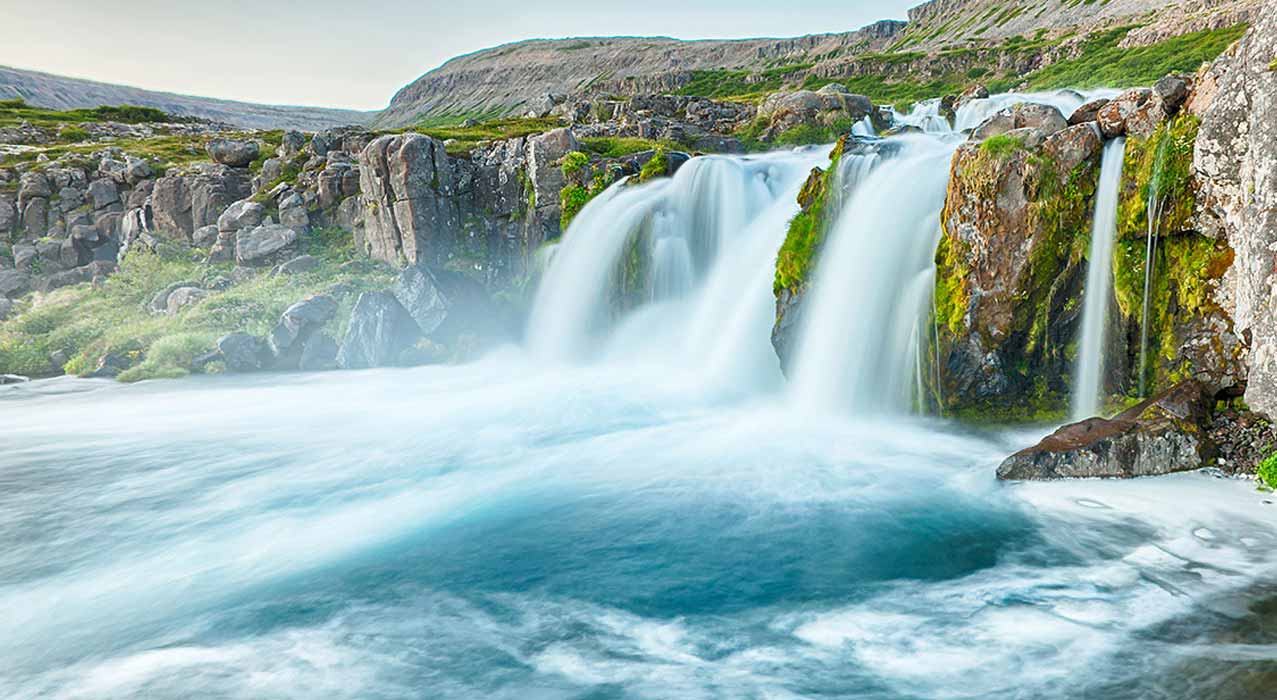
1165 434
1235 167
1008 279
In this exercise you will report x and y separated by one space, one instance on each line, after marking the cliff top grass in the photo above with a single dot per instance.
85 323
1103 63
465 138
14 112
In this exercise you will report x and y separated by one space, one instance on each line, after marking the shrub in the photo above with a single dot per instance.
573 163
170 357
73 134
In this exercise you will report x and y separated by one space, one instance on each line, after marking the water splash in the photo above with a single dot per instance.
1088 383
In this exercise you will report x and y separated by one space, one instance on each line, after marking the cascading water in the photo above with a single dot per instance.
511 527
1088 377
864 326
710 236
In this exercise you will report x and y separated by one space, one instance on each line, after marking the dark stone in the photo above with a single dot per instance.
296 325
380 329
243 352
1167 433
319 354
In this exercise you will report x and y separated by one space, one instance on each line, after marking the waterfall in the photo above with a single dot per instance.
867 311
709 237
1088 380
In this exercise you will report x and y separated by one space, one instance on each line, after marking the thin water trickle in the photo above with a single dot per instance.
1088 382
1154 214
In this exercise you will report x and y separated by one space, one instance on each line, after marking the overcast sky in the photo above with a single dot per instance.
352 54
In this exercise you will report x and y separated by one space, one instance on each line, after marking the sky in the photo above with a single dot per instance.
345 53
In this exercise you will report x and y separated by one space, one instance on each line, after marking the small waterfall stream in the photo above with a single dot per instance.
1088 380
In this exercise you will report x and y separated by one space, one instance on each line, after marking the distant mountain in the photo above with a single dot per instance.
942 39
58 92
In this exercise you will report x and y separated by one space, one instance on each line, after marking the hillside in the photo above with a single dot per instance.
944 44
58 92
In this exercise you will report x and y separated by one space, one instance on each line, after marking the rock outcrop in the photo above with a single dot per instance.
1235 172
1168 433
1010 265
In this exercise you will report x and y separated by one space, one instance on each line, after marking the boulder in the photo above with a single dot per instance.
299 264
171 205
242 352
419 294
1112 116
183 297
241 214
1088 112
1043 118
159 302
13 379
292 213
1165 434
290 144
104 193
205 236
319 354
6 308
1171 91
379 331
296 325
14 284
261 245
1070 147
233 152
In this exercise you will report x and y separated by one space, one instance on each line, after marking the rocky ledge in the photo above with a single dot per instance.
1167 433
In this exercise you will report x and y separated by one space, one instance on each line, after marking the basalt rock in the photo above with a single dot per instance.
296 325
1168 433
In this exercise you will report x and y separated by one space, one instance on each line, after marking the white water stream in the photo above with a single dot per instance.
1097 295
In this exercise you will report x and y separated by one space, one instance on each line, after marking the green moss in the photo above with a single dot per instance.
796 258
1159 165
657 166
572 199
952 298
463 139
741 84
1267 472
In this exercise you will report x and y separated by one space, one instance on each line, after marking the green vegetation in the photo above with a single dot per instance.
1267 472
573 162
797 256
465 138
16 111
572 199
741 84
1102 63
1187 266
1001 146
1163 160
655 167
620 146
84 323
